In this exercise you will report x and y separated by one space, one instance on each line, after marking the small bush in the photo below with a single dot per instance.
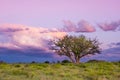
47 62
96 60
33 62
58 61
17 65
66 61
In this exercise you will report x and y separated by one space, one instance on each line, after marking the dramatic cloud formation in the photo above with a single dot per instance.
20 41
20 35
27 55
83 26
110 26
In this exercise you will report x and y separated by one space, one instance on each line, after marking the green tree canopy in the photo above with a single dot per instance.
76 47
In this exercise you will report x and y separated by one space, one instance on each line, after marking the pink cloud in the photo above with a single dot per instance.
21 35
109 26
83 26
69 26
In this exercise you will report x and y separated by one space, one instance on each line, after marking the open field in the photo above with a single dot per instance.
61 71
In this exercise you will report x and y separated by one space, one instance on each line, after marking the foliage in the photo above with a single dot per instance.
68 71
96 61
33 62
65 61
47 62
76 47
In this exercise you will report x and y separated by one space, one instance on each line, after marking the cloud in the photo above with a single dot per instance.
112 45
27 55
11 28
15 38
113 26
69 26
109 54
82 26
21 35
118 44
113 52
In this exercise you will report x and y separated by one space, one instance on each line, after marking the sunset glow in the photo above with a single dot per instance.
28 26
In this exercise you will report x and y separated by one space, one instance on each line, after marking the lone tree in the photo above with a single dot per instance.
76 47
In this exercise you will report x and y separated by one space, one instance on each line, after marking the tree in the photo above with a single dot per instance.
76 47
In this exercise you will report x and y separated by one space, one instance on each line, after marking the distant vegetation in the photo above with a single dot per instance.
91 70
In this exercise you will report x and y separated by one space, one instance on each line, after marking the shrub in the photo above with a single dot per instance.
96 60
17 65
47 62
33 62
58 61
66 61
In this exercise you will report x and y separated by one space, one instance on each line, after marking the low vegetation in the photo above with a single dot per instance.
92 70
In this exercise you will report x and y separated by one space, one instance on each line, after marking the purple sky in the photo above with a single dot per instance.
26 23
50 13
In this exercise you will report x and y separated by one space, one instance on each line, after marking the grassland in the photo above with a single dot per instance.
61 71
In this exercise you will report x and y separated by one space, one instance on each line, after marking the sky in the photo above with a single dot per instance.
27 26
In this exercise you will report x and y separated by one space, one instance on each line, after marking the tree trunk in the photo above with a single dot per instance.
78 61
